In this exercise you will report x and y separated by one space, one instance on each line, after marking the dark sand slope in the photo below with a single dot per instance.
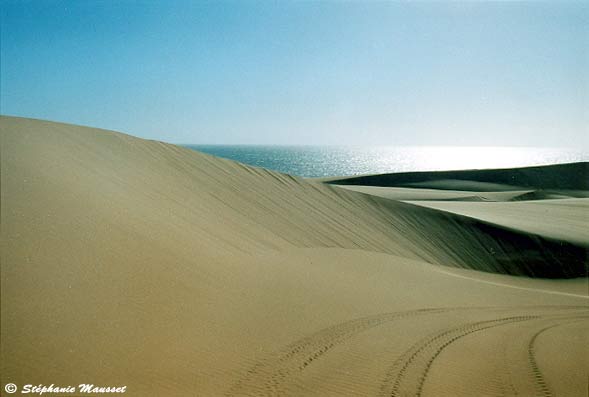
419 194
574 176
562 219
558 216
138 263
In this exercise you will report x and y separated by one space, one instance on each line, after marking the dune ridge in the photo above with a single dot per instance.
139 263
252 204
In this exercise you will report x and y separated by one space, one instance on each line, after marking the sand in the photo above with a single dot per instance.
424 194
569 177
139 263
562 219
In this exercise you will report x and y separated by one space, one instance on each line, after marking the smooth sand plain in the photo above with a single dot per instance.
139 263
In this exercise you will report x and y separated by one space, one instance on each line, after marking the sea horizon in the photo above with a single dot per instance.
347 160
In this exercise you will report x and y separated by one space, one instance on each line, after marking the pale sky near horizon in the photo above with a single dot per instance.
245 72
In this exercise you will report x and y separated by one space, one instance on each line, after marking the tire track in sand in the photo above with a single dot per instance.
409 372
542 387
270 376
266 377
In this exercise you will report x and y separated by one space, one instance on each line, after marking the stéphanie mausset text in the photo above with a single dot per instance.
82 388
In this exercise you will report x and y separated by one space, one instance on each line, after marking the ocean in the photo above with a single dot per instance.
325 161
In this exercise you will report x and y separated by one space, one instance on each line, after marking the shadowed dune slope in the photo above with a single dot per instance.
573 176
78 181
559 219
421 194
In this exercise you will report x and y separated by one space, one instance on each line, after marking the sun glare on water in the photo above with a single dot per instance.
475 157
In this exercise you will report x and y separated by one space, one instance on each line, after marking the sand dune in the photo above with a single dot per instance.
571 176
138 263
565 220
418 194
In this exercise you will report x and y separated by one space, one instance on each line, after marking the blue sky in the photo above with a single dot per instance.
374 73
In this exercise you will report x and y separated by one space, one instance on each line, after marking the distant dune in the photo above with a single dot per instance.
573 176
140 263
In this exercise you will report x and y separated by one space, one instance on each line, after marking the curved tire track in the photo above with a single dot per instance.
542 387
269 375
409 373
300 354
412 368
